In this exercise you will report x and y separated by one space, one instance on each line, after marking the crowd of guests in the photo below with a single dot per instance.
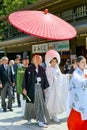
9 80
43 91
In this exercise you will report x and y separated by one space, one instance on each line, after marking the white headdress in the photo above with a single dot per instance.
50 55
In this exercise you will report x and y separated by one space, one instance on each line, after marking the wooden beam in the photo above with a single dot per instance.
18 41
18 48
65 5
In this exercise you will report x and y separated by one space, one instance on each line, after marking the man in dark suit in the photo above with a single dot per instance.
6 84
74 66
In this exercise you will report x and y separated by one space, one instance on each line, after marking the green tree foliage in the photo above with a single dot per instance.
33 1
7 7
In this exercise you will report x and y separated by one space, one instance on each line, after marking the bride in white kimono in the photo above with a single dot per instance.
56 94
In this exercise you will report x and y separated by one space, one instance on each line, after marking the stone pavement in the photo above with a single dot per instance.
14 121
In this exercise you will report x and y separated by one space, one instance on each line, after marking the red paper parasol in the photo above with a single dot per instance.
42 24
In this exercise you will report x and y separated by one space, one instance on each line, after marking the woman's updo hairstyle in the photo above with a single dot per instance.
54 59
79 58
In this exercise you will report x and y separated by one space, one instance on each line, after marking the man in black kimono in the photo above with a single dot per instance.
34 85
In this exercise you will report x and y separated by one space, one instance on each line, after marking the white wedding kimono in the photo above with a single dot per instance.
56 94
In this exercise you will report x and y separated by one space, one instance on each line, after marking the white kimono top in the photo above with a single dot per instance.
78 90
56 94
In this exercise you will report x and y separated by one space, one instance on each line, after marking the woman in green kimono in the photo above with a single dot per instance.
19 79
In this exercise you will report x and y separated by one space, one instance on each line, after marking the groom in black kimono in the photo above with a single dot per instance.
34 83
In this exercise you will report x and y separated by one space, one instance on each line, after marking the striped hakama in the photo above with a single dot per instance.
37 110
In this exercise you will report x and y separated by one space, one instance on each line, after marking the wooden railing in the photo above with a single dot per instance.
75 16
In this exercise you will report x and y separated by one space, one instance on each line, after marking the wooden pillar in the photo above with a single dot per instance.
73 46
5 53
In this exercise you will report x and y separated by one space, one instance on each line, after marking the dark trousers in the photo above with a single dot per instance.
6 92
13 92
18 99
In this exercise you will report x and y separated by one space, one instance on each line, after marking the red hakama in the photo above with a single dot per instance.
75 122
